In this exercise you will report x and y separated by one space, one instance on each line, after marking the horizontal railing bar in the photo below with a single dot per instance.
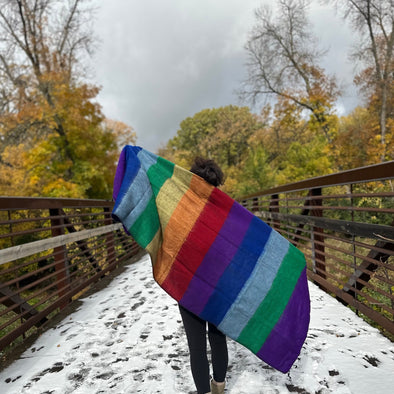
377 172
49 228
29 203
267 197
338 208
375 231
16 267
361 245
8 338
349 274
368 297
356 255
42 269
69 284
49 217
66 287
88 246
16 252
377 317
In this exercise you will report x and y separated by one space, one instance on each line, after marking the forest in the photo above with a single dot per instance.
55 140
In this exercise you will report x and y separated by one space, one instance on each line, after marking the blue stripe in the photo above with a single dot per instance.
130 173
135 191
257 286
238 272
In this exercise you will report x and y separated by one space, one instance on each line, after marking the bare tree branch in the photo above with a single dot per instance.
374 20
283 61
33 51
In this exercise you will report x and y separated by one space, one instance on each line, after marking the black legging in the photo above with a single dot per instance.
196 330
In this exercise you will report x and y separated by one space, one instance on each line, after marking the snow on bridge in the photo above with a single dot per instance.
128 338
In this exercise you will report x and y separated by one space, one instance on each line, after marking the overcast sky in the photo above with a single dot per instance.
161 61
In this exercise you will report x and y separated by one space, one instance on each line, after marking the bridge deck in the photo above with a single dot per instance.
128 338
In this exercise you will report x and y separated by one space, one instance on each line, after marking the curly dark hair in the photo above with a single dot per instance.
208 170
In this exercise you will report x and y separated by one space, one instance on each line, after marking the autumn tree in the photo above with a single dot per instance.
287 125
288 147
48 114
219 133
222 134
257 170
283 63
41 41
374 21
355 140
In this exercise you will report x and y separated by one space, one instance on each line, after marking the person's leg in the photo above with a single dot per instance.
219 353
195 329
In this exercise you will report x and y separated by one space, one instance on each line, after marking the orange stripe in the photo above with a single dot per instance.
179 226
198 243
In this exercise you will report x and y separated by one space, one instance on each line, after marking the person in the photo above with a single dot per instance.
196 328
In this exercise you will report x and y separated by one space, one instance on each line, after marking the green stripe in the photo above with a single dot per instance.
158 173
148 223
146 226
270 310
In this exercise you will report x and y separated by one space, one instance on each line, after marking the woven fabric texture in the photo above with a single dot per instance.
214 257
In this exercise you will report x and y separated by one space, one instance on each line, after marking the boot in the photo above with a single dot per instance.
217 388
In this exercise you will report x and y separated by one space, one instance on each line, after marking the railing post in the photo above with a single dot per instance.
110 242
255 204
317 235
60 252
274 207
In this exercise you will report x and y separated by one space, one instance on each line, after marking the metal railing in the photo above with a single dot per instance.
51 251
344 225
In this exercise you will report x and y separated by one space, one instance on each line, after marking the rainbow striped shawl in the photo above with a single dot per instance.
214 257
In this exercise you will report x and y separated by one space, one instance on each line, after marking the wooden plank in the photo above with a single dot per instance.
17 252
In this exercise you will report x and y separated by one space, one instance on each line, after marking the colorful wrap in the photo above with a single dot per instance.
214 257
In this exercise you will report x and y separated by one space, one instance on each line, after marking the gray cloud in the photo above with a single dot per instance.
162 61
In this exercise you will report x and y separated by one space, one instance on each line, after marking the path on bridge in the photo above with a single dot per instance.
128 338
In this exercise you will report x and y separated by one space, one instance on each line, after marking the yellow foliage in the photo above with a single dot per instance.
68 149
63 189
13 177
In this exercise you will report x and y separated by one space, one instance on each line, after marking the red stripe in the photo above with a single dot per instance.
197 243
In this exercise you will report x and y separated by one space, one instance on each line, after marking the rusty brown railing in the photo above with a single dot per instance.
51 251
344 225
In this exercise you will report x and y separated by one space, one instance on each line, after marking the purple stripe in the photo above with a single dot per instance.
120 170
217 259
283 344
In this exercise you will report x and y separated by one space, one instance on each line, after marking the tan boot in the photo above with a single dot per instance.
217 388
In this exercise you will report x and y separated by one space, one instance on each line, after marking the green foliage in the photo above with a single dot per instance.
219 133
223 134
256 173
255 152
305 160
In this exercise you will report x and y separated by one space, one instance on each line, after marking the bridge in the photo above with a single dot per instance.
54 250
128 338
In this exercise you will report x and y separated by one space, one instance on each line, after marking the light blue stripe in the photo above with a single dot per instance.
256 287
135 200
147 159
138 194
138 209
